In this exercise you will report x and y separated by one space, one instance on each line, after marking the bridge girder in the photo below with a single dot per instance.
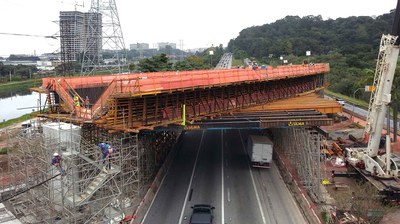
151 111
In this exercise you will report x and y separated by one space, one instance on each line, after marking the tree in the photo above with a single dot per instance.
190 63
132 67
68 68
155 64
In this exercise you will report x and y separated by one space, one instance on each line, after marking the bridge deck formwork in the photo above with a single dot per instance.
144 101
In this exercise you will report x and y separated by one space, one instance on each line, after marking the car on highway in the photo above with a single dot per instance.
202 214
340 101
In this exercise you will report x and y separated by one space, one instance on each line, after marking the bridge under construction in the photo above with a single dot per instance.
142 116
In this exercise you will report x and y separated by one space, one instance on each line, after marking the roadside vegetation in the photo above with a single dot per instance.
17 120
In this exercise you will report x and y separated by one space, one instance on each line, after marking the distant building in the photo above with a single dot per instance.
42 62
163 45
139 46
80 31
22 59
50 57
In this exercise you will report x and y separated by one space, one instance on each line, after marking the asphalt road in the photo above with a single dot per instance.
364 113
212 168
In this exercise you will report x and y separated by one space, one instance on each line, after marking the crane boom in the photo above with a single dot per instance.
381 97
386 166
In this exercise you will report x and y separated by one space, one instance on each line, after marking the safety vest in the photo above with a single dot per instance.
76 100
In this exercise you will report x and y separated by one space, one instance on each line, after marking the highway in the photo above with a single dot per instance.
225 62
360 112
212 167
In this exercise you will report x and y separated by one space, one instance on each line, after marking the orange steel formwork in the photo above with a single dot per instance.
307 101
135 101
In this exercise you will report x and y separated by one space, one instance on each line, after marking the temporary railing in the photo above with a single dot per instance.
62 92
101 102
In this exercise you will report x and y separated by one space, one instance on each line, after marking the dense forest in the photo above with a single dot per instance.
350 45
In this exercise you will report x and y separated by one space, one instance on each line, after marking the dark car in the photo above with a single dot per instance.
202 214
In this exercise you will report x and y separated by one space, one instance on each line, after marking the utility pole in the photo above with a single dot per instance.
103 33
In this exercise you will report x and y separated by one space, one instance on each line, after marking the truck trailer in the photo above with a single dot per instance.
260 149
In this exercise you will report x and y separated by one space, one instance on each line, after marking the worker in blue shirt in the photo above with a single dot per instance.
56 161
106 150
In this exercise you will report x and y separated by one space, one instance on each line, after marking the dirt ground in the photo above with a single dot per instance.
343 187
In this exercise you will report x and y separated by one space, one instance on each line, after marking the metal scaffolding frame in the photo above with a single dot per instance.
85 192
303 151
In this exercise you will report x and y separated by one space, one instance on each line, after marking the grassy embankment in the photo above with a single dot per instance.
351 100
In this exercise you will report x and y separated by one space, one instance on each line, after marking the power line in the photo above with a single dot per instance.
28 35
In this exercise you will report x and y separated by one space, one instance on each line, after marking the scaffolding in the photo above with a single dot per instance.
303 152
87 189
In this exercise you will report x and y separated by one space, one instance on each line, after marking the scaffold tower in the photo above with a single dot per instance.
87 188
303 150
103 34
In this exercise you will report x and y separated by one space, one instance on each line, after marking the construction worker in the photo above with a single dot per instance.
104 146
106 150
87 103
76 101
56 161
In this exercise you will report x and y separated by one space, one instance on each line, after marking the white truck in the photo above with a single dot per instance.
260 149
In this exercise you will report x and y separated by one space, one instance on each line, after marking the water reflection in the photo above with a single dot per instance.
13 93
11 106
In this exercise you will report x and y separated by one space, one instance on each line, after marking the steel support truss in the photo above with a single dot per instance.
149 111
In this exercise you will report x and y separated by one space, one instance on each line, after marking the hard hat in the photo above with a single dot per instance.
55 154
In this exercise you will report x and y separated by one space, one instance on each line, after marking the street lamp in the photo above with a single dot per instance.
354 97
211 54
281 58
308 54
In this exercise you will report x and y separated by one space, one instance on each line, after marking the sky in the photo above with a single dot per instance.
196 24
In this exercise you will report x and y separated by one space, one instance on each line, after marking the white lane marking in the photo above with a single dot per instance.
253 182
191 180
229 194
222 177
